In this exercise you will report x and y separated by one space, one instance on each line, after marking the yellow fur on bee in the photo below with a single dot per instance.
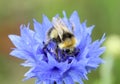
68 43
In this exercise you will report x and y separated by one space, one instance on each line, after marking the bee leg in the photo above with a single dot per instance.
64 53
45 47
56 53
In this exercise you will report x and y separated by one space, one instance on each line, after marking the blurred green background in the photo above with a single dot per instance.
104 14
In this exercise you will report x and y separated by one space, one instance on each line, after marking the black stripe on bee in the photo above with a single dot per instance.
67 35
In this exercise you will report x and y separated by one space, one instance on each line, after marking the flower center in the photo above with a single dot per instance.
55 68
60 54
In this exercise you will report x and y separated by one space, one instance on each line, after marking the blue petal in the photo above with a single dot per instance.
102 39
38 81
76 77
29 74
59 82
40 34
96 44
74 19
96 52
28 63
54 63
67 22
83 54
51 60
93 63
26 33
19 54
85 40
68 80
49 81
46 24
88 29
17 41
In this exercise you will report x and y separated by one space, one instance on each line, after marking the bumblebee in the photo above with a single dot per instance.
60 34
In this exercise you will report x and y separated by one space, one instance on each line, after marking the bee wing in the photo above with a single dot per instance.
59 26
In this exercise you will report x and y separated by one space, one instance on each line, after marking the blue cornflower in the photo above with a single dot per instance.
61 68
